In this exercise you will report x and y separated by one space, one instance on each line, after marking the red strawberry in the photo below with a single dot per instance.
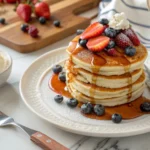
1 1
123 41
33 31
97 43
42 10
24 12
111 52
132 36
93 30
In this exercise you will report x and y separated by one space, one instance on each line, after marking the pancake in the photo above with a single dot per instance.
107 102
98 92
114 81
103 64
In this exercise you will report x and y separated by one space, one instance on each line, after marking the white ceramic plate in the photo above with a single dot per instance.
39 98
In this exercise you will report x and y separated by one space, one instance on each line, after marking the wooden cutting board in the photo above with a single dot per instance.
65 10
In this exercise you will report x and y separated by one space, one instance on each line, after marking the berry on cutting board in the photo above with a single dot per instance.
56 23
93 30
42 10
42 20
83 42
24 27
24 12
62 76
57 69
145 107
110 32
87 108
116 118
132 36
98 43
104 21
123 41
72 102
130 51
99 110
33 31
2 20
58 98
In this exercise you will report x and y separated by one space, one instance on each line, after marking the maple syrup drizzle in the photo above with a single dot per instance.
128 111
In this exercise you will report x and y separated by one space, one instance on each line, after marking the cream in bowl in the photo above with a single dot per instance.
5 67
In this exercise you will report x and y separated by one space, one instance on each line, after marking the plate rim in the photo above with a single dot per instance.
103 134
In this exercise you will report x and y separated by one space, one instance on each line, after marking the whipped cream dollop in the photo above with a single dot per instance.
4 61
119 21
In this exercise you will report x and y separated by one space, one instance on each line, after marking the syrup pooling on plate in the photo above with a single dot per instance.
128 111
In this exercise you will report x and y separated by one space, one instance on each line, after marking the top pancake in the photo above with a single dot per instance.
103 64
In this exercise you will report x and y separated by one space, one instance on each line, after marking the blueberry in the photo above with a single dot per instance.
42 20
99 110
58 98
62 76
56 23
87 108
118 31
24 27
110 32
116 118
82 42
130 51
111 44
79 31
57 68
104 21
72 102
145 107
2 20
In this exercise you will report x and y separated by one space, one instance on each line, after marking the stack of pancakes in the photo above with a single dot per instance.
102 79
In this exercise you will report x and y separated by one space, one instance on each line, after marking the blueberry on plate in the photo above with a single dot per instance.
2 20
72 102
79 31
82 42
24 27
111 44
58 98
86 108
42 20
99 110
145 107
104 21
62 76
57 68
56 23
130 51
116 118
110 32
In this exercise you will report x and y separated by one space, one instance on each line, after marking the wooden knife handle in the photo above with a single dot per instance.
46 142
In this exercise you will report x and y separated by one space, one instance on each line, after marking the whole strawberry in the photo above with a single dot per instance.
123 41
42 10
33 31
24 11
132 36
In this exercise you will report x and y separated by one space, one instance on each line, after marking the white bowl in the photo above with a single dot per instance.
4 75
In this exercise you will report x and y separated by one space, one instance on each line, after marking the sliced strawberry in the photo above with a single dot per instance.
24 12
98 43
93 30
132 36
42 10
123 41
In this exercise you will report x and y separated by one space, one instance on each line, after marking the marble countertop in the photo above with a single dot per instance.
11 104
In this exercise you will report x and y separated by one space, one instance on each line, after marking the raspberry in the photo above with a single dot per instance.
33 31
